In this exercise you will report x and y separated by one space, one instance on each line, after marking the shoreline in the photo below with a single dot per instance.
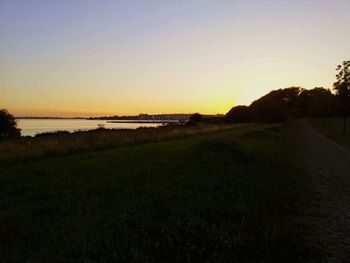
144 121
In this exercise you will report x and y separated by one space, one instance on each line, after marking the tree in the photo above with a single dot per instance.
239 114
195 118
318 102
276 106
8 126
342 90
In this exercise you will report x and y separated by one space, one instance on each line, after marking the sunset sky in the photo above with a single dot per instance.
89 57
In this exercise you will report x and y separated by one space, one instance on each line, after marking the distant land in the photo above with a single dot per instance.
49 118
140 117
146 117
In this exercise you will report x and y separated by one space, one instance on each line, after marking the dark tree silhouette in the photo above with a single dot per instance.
276 105
8 126
318 102
239 114
342 89
196 117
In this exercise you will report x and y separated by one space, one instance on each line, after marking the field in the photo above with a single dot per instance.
224 196
333 129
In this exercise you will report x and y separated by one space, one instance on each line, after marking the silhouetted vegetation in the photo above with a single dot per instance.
213 119
196 117
294 102
8 126
342 89
239 114
280 105
318 102
276 106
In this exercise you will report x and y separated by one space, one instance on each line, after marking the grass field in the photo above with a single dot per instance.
229 196
333 129
59 143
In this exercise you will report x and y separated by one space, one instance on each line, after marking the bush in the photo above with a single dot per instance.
239 114
195 118
8 126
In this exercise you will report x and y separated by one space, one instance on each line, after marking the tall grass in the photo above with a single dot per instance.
65 143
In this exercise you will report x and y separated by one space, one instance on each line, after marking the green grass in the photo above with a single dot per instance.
230 196
333 129
60 143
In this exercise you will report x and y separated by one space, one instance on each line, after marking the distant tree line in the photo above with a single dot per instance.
280 105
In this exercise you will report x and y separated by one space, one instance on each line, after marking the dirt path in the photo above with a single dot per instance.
329 166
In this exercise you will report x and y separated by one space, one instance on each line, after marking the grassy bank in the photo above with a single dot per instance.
333 129
230 196
66 143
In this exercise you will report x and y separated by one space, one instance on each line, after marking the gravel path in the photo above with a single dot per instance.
329 166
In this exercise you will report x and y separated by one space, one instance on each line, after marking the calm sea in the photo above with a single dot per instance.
30 127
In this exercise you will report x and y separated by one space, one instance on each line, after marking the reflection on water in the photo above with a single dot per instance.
32 127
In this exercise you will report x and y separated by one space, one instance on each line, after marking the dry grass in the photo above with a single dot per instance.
65 143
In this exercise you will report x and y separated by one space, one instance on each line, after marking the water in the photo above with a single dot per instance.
31 127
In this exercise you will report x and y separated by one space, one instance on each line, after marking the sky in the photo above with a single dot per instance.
119 57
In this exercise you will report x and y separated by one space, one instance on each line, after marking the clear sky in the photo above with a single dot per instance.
89 57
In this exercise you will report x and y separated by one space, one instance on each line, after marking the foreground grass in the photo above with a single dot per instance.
333 129
231 196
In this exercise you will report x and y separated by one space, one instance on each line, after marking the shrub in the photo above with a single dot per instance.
8 126
239 114
195 118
